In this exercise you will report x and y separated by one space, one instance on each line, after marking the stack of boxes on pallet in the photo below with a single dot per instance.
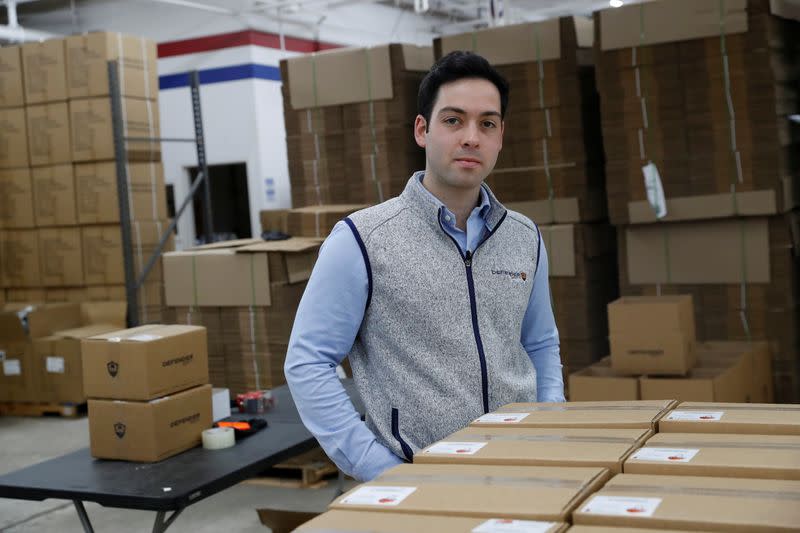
551 169
148 391
655 354
540 467
40 349
249 317
349 116
314 221
702 164
60 236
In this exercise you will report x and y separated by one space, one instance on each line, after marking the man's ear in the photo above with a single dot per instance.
420 127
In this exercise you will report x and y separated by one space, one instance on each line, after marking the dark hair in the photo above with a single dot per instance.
455 66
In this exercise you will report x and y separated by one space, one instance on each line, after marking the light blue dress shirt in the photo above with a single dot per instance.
328 320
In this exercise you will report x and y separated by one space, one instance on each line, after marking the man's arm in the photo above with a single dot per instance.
326 324
540 335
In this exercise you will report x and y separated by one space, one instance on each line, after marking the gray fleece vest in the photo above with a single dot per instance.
440 341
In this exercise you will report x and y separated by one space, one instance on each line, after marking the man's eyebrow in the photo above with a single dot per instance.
450 109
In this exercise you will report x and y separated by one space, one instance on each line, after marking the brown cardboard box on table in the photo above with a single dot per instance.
616 529
610 415
745 419
520 492
652 334
149 431
599 382
694 504
374 522
145 362
723 455
606 448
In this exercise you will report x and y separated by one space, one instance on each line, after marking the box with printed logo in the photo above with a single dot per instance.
149 431
145 362
745 419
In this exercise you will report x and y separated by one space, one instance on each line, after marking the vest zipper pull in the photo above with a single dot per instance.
468 259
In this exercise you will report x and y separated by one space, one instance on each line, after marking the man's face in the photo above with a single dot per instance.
464 135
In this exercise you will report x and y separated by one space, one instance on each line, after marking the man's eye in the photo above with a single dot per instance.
489 124
451 120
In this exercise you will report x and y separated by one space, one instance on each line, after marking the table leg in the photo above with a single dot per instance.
161 524
87 525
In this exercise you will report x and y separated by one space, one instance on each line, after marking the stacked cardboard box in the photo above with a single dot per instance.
315 221
349 116
148 390
249 318
551 169
59 219
702 163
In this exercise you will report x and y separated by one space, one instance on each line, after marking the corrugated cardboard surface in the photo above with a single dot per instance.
557 211
708 206
149 431
340 76
145 362
87 67
599 382
367 522
13 138
758 419
61 257
753 456
616 529
48 134
45 71
106 312
523 492
54 196
698 503
16 198
17 378
628 414
96 191
763 389
11 92
519 43
605 448
19 254
725 251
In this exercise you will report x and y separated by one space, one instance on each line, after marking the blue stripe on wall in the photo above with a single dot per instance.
216 75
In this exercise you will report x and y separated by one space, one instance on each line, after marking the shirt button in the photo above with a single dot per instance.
447 218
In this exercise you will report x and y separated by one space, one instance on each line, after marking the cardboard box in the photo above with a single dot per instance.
92 132
375 522
29 296
519 492
17 378
61 257
48 134
54 196
102 251
605 448
16 198
13 138
610 415
760 378
717 380
616 529
65 294
749 419
149 431
652 335
11 93
599 382
145 362
87 65
694 503
45 71
317 221
107 312
693 454
98 201
19 253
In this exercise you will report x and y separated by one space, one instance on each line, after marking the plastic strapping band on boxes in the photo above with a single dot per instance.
251 316
742 407
140 261
458 479
153 187
546 438
316 223
545 155
524 408
315 163
731 445
374 152
634 490
150 122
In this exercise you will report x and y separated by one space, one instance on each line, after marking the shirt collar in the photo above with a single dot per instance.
483 209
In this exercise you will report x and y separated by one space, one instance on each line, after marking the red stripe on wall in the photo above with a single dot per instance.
240 38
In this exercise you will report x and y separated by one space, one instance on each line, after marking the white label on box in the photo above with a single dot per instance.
143 337
670 455
702 416
655 190
501 418
621 506
55 365
456 448
11 367
507 525
378 495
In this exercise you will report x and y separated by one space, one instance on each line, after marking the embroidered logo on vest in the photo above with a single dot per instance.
519 277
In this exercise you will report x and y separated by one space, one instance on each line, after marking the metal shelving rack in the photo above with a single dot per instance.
132 283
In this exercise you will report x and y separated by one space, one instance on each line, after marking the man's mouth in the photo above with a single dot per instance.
468 162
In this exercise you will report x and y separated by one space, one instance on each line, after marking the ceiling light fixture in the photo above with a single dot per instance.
616 3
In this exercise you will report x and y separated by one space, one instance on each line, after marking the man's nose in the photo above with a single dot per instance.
471 135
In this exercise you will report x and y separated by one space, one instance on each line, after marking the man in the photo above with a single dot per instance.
439 297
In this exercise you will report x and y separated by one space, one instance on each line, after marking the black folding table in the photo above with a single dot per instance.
171 485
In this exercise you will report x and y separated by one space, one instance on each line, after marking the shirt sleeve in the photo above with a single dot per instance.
327 322
540 335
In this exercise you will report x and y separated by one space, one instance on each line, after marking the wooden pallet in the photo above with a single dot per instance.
66 410
310 470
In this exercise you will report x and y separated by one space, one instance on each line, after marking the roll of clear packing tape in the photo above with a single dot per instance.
218 438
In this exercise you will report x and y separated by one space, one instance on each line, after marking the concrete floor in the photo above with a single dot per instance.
26 441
